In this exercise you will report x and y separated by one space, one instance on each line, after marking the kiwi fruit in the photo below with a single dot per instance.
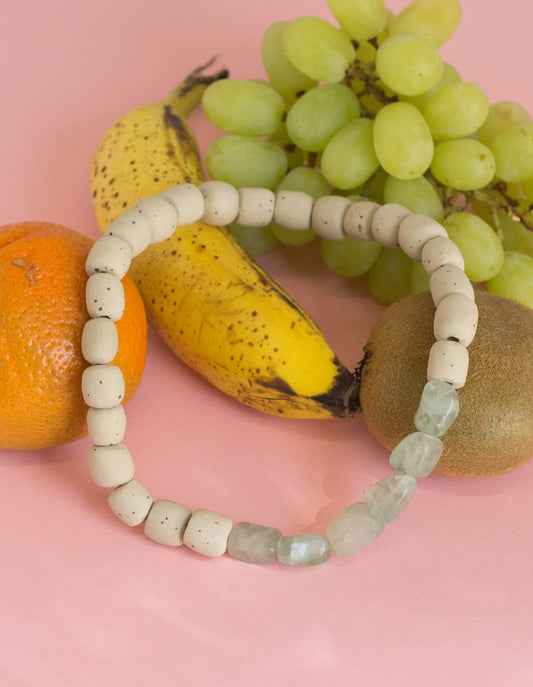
494 430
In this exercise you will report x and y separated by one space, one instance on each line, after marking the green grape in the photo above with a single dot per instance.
375 186
243 106
463 164
418 278
254 240
515 279
318 49
449 75
456 110
246 161
283 76
361 19
502 115
295 155
349 257
479 244
408 64
513 153
349 158
390 274
515 236
319 114
435 20
402 140
418 195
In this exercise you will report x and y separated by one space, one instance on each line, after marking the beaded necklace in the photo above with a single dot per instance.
155 219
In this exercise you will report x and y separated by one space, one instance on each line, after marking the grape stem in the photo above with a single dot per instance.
364 72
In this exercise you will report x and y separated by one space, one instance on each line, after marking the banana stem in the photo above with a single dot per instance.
188 94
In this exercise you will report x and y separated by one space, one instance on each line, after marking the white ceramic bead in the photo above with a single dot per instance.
109 254
256 207
386 223
106 426
187 201
111 466
207 533
221 202
293 210
456 318
449 279
104 296
441 251
99 340
130 502
166 522
160 215
133 228
328 215
448 362
102 386
357 221
415 230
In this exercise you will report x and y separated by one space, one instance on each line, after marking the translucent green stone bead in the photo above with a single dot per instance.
253 543
417 454
303 549
388 498
353 529
438 408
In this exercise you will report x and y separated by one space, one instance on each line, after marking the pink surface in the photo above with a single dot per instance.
442 599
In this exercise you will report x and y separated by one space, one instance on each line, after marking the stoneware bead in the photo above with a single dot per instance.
99 340
448 362
130 502
328 216
353 529
441 251
106 426
133 228
415 230
221 202
438 408
166 522
102 386
187 201
253 543
109 254
456 318
357 222
386 223
104 296
161 216
111 466
207 533
293 209
449 279
303 550
388 498
417 454
256 207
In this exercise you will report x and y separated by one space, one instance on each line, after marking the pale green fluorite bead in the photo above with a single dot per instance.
303 549
388 498
438 408
253 543
417 454
353 529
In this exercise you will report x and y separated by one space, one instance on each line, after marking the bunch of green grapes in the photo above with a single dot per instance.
364 106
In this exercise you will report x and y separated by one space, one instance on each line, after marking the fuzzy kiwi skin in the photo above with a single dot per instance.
494 430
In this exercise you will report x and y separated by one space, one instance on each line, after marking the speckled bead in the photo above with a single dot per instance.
102 386
187 201
293 209
99 340
388 498
253 543
221 202
357 222
440 251
104 296
353 529
133 228
328 216
456 318
131 502
160 215
207 533
111 466
109 254
448 362
106 426
415 230
303 550
449 279
166 522
386 223
256 207
417 454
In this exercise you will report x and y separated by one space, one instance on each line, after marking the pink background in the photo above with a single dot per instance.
443 598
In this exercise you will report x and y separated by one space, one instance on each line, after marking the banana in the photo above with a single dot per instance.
211 303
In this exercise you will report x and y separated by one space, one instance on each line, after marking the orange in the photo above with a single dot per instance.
42 314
